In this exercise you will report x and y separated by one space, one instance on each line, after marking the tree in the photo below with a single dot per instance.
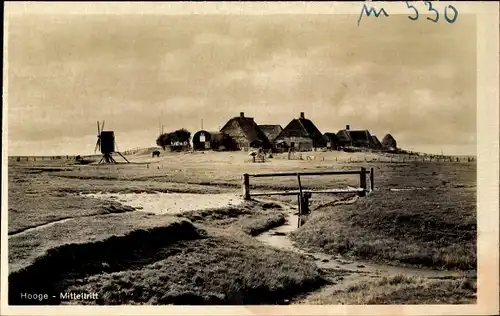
163 140
180 137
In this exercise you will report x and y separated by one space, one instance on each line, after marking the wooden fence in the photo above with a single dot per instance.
304 195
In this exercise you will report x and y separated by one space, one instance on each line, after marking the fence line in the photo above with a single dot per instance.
307 173
304 195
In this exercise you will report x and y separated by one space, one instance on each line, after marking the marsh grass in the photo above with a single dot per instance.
252 217
119 249
137 258
215 270
25 248
434 228
401 289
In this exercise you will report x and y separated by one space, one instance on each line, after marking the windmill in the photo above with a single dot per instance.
106 144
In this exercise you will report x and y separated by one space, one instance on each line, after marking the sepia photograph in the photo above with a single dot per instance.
230 154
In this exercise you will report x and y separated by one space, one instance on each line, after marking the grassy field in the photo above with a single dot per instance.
251 218
400 289
150 259
25 248
432 222
434 228
218 270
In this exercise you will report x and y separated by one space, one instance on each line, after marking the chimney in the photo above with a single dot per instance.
242 114
302 115
347 127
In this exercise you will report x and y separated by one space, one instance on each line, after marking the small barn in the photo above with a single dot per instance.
332 141
301 134
271 131
376 143
389 143
246 133
204 140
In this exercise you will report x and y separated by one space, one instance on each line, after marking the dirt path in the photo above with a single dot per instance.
34 228
156 203
171 203
340 271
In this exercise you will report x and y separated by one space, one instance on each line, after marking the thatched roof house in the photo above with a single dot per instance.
246 132
301 134
204 140
361 138
389 143
271 131
332 141
357 138
376 142
344 139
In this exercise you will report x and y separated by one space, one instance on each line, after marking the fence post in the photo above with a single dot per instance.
362 181
372 180
300 198
246 186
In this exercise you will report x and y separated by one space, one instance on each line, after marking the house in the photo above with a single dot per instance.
389 143
344 139
332 141
203 140
245 132
271 131
301 134
376 143
356 138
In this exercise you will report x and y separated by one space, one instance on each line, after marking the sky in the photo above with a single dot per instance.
413 79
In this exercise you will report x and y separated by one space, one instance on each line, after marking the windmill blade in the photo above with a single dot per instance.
97 145
102 127
98 131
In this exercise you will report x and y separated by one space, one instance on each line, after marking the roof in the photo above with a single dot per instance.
343 136
302 127
311 129
213 135
376 141
249 128
360 135
331 137
351 135
389 142
271 131
206 132
218 136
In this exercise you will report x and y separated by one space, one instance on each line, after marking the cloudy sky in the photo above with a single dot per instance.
415 80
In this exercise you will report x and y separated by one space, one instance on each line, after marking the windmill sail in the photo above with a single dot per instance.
98 144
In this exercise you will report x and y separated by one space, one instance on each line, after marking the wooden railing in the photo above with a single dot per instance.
304 195
362 190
